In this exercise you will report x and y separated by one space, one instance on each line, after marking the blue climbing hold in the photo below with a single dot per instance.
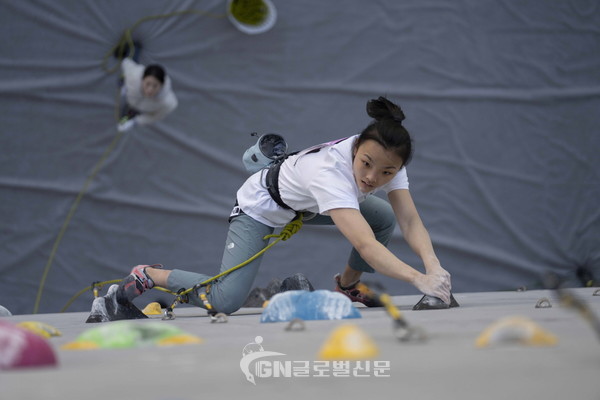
302 304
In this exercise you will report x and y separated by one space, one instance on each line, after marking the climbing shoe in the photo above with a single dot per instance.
355 294
137 282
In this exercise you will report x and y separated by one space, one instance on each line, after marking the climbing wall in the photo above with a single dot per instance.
501 97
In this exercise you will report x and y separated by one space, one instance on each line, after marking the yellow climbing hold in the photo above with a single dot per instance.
40 328
179 339
82 345
152 309
348 342
515 329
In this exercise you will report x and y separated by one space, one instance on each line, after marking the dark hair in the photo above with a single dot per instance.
387 129
156 71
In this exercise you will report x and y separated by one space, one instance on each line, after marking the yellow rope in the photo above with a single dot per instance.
63 229
126 38
91 287
287 232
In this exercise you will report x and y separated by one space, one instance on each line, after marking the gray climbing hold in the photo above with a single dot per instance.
434 303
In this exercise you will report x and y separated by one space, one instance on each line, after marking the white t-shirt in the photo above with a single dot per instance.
315 182
151 109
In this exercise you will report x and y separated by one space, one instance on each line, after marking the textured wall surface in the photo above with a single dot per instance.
502 99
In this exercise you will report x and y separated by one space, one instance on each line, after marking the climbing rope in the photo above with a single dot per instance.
287 232
126 39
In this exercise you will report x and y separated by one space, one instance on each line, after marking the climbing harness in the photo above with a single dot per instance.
272 183
272 178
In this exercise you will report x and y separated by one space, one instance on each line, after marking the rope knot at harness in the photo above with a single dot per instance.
289 230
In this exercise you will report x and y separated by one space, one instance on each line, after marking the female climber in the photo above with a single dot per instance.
147 94
331 183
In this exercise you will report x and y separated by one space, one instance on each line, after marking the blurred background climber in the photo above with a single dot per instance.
146 93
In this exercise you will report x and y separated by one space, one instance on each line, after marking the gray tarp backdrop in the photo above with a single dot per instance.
502 99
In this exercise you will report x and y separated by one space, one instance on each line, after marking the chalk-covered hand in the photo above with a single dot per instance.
435 283
125 125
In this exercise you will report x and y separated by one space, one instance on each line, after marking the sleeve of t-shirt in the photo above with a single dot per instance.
131 69
400 181
331 189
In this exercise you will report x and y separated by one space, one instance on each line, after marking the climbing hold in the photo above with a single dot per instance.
296 324
543 303
406 333
219 318
259 296
153 308
21 348
4 312
515 329
107 308
348 342
320 304
126 334
40 328
175 340
168 314
273 287
296 282
434 303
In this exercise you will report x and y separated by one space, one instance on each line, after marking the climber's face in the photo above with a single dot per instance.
150 86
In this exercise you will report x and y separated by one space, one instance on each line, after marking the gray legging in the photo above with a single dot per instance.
245 239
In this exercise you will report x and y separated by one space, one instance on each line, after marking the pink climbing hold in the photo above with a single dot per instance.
20 348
